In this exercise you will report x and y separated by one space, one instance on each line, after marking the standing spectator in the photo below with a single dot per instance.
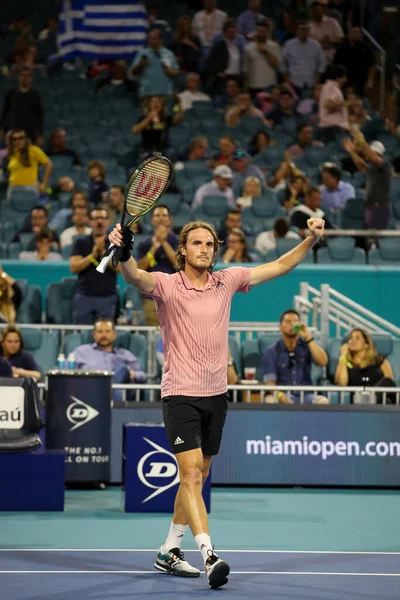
251 189
58 147
156 23
157 253
219 186
38 220
244 108
192 92
304 141
334 192
237 250
208 22
358 60
23 109
261 59
43 252
80 220
312 208
326 30
10 297
266 240
225 57
187 46
233 220
249 19
12 349
333 115
96 293
97 193
24 159
154 126
242 168
302 60
156 67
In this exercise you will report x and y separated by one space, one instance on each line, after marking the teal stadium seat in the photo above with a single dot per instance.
341 250
235 351
43 345
388 252
352 215
283 245
30 310
59 301
22 201
173 202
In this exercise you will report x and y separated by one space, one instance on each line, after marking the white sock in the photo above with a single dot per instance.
203 542
175 536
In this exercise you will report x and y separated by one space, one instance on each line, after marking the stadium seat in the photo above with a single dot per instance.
71 341
30 309
138 347
215 205
251 357
22 201
316 156
173 202
59 301
341 249
182 217
266 206
235 351
283 245
388 251
43 345
352 216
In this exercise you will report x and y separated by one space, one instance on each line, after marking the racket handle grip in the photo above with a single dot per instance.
106 258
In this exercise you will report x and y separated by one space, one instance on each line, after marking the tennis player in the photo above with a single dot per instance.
193 307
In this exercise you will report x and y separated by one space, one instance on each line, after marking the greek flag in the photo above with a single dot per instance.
95 29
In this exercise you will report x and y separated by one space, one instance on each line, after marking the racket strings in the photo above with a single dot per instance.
147 186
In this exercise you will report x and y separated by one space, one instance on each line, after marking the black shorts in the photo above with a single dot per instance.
195 422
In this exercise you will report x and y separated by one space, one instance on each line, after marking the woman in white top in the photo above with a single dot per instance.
251 188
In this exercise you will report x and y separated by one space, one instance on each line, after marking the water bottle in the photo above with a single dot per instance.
61 361
71 361
129 311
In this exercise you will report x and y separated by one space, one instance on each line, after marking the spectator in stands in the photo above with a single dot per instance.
63 185
96 293
358 114
288 361
358 60
24 160
333 115
80 220
295 190
302 60
115 203
187 46
220 185
325 30
237 250
197 150
233 220
155 67
27 58
371 160
268 101
359 363
208 22
266 240
154 126
309 107
156 23
249 20
157 253
12 349
284 109
10 297
58 147
334 192
304 141
23 109
98 188
261 59
226 150
242 168
104 355
251 189
287 27
285 175
225 58
63 217
38 220
302 212
259 142
43 252
5 368
192 92
243 108
117 79
231 95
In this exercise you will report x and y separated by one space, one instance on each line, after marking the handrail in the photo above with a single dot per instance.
381 68
361 233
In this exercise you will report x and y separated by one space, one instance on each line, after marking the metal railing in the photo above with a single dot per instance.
380 67
369 233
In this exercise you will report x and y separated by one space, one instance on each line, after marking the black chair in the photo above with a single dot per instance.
20 420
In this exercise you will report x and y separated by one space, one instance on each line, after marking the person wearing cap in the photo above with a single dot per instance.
371 160
219 186
242 168
325 30
334 192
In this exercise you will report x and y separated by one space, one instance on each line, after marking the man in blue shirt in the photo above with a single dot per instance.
242 168
334 192
103 355
249 19
289 360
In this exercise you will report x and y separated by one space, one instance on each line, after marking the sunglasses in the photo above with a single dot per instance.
292 357
18 137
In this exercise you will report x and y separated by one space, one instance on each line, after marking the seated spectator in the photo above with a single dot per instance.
63 185
333 115
220 185
284 174
268 101
302 212
43 242
5 368
334 192
288 361
225 57
295 191
251 189
358 115
359 364
261 60
115 203
12 349
208 22
266 241
98 188
103 355
325 30
10 298
155 67
242 168
285 109
62 218
249 19
237 250
192 92
226 150
244 108
117 79
187 46
38 220
304 141
154 126
230 96
197 151
58 147
80 220
259 142
24 159
233 220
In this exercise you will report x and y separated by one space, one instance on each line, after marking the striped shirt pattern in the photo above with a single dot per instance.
105 30
194 327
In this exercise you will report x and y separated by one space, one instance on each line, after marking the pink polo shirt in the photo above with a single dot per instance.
194 327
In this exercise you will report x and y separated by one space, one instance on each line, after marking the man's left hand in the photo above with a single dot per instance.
316 228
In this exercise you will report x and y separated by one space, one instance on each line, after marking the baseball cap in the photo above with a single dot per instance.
223 171
378 147
239 153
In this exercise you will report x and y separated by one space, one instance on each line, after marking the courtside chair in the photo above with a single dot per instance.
341 250
59 301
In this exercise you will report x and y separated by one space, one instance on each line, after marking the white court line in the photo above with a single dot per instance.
233 551
232 573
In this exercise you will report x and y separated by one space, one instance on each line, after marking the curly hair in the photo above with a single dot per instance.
24 152
183 237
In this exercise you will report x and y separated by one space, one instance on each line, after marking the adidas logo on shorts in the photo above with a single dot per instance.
178 441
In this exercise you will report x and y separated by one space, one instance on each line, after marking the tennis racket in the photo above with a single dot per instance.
146 185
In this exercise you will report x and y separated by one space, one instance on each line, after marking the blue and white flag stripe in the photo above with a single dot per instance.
95 29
